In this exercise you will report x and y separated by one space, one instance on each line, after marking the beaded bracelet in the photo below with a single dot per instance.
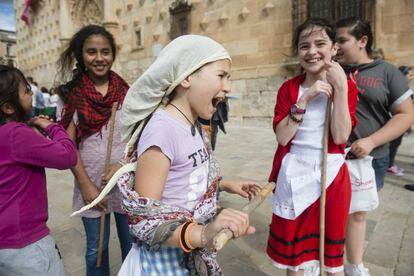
294 119
203 235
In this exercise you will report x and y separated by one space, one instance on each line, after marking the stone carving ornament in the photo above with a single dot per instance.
86 11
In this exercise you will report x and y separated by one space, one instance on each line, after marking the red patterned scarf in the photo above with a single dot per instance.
93 109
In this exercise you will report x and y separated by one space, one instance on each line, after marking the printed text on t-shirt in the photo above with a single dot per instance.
200 156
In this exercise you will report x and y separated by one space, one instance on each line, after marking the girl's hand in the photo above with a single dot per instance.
40 121
335 75
246 189
39 131
236 221
362 147
317 88
110 172
89 192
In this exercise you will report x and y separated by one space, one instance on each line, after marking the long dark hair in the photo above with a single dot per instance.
358 28
10 79
74 53
314 22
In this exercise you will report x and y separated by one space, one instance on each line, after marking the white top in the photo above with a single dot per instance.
299 179
34 91
46 98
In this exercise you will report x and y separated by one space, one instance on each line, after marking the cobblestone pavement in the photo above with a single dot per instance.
246 153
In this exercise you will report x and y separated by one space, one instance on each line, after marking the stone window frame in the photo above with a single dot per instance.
9 50
180 11
135 45
334 9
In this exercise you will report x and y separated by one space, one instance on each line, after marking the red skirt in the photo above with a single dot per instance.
294 242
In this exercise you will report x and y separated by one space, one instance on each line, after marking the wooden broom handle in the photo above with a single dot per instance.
222 237
323 187
106 168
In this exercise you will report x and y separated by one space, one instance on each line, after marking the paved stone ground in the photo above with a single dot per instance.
246 153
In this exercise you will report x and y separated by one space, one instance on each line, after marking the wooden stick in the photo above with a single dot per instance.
106 168
323 187
222 237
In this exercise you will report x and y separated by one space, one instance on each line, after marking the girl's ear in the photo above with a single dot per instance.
186 83
362 43
7 109
334 50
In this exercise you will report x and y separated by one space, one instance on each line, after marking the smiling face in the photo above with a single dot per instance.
350 50
207 87
314 48
97 56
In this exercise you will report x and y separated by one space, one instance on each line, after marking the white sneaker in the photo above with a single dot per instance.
356 270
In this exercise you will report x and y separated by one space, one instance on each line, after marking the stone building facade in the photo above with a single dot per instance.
257 33
7 45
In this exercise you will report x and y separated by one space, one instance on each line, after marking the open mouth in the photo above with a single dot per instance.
215 101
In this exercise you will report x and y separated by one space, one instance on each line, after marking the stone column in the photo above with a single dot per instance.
110 21
65 22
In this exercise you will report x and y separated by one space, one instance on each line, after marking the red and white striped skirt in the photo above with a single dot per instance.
294 243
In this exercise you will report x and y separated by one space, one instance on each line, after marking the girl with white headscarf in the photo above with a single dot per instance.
171 200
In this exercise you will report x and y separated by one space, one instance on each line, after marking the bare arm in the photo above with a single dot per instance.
341 119
286 129
402 119
153 167
247 189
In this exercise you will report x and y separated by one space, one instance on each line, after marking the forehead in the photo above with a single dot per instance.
313 33
23 86
222 64
343 32
96 41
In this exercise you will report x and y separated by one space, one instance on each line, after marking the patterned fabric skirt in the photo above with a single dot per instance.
294 244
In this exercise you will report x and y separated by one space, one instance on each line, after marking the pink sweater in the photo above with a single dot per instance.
23 194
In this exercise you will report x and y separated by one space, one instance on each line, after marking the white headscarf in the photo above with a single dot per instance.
179 59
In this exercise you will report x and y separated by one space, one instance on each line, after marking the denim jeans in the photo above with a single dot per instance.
92 242
380 166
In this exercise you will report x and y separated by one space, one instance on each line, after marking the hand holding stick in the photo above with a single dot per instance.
220 240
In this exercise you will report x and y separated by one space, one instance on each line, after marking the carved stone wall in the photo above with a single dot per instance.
38 45
257 33
395 30
84 12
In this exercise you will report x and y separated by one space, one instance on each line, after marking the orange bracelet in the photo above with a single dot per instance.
181 237
186 236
